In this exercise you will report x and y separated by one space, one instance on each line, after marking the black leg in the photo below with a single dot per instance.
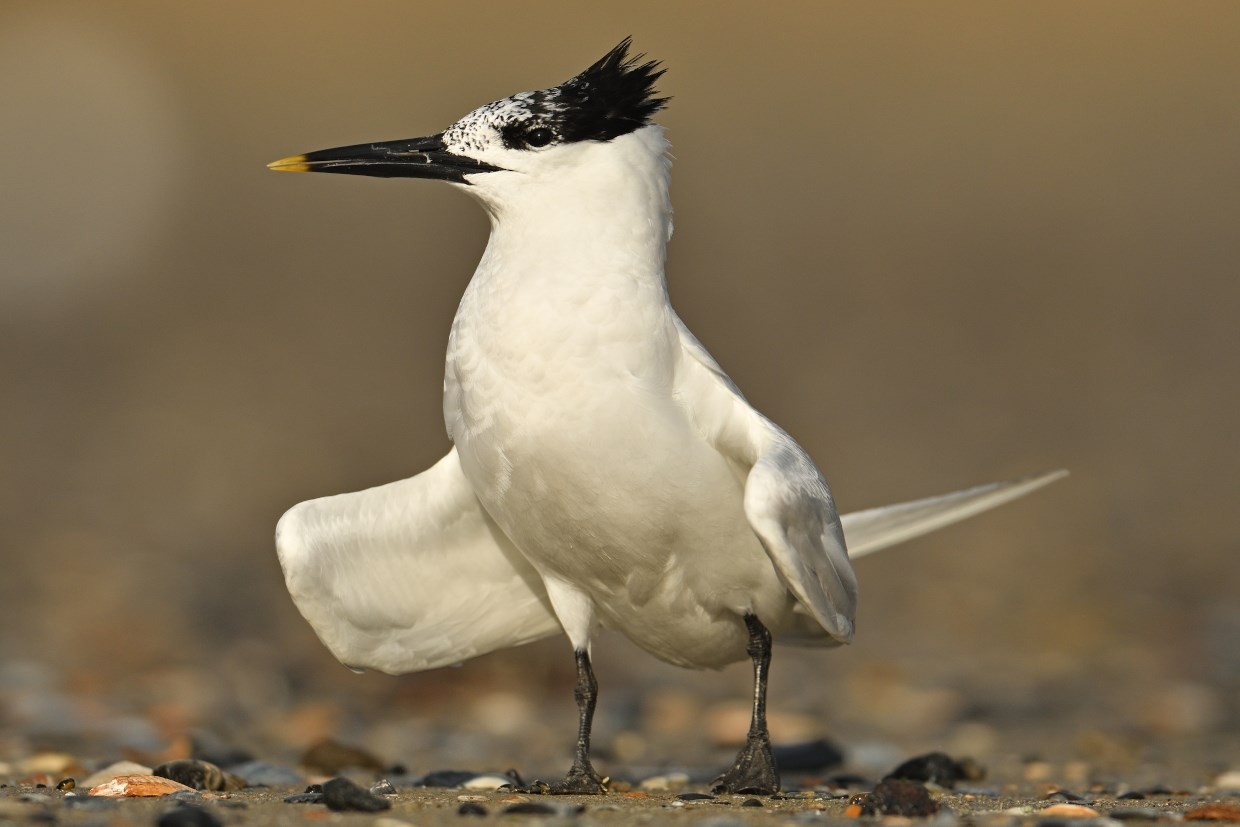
754 769
581 779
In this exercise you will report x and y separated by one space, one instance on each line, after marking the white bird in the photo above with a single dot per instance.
605 469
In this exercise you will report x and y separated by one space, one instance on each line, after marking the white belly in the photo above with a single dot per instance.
598 476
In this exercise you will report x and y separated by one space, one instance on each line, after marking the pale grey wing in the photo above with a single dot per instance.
877 528
787 502
411 575
789 507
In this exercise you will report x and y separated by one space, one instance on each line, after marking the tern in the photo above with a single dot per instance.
605 471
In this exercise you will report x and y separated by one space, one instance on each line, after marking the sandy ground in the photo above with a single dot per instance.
441 806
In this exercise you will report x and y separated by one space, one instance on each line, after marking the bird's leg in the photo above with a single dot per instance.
581 778
754 769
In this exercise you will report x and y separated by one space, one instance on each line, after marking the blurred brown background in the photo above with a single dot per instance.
940 244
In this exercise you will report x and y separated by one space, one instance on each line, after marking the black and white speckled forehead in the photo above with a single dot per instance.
614 97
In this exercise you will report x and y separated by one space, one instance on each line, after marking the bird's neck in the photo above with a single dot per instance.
599 225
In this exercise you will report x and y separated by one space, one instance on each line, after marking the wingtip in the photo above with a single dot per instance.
1035 481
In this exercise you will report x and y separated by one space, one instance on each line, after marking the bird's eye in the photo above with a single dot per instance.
539 136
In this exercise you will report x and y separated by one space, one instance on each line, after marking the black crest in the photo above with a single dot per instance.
614 97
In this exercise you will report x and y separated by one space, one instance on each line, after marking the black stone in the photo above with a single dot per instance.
898 797
471 808
807 756
200 775
751 802
938 768
1063 795
695 797
446 778
341 794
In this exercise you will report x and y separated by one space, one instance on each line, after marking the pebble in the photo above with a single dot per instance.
751 802
471 808
897 797
340 794
1069 811
264 774
1229 781
727 724
1214 812
807 756
188 815
114 770
695 797
330 757
66 784
51 763
1063 795
939 768
382 787
666 782
489 782
449 778
200 775
1038 770
38 779
139 786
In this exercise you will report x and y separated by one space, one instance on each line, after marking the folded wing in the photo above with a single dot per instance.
411 575
791 510
787 502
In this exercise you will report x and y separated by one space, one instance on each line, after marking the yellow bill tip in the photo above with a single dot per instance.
293 163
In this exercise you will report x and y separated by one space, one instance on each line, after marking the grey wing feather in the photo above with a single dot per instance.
787 501
878 528
790 508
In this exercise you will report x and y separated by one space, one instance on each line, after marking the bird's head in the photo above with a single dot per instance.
523 144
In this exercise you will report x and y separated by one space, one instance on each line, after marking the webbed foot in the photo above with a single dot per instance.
752 773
